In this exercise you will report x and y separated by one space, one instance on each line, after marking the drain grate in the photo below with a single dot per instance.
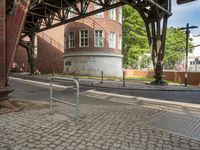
186 124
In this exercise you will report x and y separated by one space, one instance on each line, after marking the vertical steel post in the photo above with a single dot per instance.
101 76
187 32
123 78
77 105
51 97
186 53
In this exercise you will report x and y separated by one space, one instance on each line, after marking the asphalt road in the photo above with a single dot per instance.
39 91
179 96
36 91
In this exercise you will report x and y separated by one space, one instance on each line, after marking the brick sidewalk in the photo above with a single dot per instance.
111 125
102 127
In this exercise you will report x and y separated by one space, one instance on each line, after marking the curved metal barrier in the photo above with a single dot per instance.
77 106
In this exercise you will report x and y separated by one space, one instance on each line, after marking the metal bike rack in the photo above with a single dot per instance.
77 106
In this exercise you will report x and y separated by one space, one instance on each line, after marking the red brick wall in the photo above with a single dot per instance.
193 77
49 57
50 50
93 23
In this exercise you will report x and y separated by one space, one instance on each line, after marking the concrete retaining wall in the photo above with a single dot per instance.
92 63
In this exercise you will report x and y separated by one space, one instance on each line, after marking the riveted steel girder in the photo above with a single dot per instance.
13 15
46 14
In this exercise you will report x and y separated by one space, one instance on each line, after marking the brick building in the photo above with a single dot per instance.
85 47
48 55
94 44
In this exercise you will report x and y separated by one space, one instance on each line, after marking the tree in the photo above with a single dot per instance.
175 47
134 37
145 62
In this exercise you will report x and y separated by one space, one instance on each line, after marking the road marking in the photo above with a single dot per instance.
41 83
150 100
183 104
110 94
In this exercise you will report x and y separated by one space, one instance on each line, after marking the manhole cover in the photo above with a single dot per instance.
186 124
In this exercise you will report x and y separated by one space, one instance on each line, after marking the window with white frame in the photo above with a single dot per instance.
84 38
98 38
112 39
120 14
96 6
112 12
71 39
120 42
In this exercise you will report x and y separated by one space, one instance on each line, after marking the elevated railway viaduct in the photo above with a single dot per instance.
20 19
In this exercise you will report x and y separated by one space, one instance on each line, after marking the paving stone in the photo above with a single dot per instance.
106 127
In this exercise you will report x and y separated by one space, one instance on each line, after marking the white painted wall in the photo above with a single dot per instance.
92 63
192 65
196 51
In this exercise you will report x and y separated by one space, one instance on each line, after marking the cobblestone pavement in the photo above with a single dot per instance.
102 127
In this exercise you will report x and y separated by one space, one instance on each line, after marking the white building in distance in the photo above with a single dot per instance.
194 57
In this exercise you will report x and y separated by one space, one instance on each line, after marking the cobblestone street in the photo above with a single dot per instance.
107 122
108 127
100 75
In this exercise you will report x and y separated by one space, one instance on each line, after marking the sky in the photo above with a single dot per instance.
186 13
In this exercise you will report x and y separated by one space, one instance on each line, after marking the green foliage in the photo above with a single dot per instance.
145 61
175 47
135 42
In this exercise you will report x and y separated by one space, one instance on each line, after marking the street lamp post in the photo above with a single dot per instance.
187 32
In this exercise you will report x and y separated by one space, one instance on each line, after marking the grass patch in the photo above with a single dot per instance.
145 79
139 78
87 77
132 78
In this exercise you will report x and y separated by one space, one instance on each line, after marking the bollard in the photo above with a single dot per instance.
54 72
123 78
101 77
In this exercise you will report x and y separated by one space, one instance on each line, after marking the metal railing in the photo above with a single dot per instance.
77 106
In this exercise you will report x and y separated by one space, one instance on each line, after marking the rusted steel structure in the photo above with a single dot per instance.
46 14
12 15
24 18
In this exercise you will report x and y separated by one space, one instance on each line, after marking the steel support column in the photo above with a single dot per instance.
11 26
30 53
4 90
155 20
30 48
